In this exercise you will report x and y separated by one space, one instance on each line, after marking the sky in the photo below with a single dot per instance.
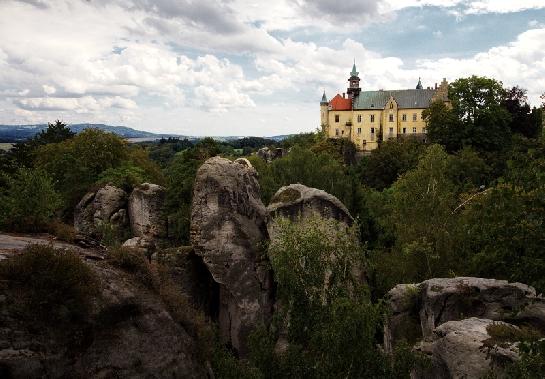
248 67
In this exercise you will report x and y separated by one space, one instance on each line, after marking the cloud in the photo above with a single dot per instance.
344 12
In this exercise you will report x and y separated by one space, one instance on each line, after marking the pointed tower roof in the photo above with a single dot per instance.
324 99
354 71
419 85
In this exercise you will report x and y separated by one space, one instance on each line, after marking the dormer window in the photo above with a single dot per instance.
391 105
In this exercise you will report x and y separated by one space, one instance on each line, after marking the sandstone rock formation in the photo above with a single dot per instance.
146 211
458 349
128 334
270 154
298 201
227 230
105 206
448 317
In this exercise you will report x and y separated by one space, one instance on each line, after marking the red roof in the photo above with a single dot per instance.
339 103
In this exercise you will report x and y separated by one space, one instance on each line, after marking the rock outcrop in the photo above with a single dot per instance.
459 349
447 318
298 201
227 231
270 154
129 333
146 213
96 209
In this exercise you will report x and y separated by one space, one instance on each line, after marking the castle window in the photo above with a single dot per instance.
404 130
342 132
359 130
391 118
336 118
359 118
414 130
372 130
372 118
404 117
336 132
414 116
421 116
391 131
391 105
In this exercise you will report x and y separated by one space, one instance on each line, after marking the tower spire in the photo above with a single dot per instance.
354 70
419 85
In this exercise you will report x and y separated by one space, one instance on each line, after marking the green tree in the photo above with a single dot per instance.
28 201
77 163
477 117
384 165
23 152
524 120
180 175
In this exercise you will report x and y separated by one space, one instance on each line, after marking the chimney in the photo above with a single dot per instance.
435 85
344 95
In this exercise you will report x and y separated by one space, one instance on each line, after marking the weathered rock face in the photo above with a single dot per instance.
270 154
436 301
298 201
458 349
128 334
227 230
146 211
105 206
449 317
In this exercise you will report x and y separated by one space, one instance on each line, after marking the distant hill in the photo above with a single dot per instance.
17 133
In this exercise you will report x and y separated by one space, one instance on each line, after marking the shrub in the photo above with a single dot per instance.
29 201
62 231
51 285
133 261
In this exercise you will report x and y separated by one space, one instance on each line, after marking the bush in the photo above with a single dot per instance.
62 231
50 285
29 201
133 261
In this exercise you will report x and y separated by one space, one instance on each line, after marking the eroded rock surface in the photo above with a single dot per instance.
128 334
227 231
459 349
105 206
447 318
146 213
298 201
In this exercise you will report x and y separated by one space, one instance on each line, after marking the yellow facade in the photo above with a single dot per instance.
377 116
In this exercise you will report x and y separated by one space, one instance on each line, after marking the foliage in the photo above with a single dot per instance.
180 176
133 261
28 201
125 176
77 163
301 165
332 324
384 165
532 361
342 149
24 152
477 117
166 149
52 285
524 120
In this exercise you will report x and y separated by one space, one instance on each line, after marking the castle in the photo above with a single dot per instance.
368 117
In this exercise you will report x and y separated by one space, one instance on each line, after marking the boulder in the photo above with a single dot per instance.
298 201
227 231
146 213
466 349
105 206
417 309
270 154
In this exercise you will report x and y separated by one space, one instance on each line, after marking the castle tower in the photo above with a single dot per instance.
324 112
419 85
354 83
